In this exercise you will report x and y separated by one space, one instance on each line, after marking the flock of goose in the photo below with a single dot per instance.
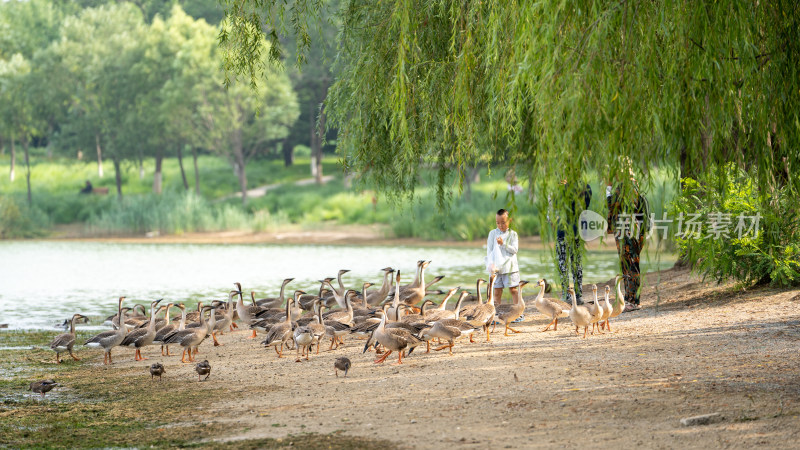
394 318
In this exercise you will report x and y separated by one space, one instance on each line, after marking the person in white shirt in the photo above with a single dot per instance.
506 242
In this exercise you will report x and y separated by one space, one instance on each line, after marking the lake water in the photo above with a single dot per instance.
44 282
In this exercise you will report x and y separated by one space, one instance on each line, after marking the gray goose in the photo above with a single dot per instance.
549 307
393 340
108 339
483 314
246 313
190 337
142 337
274 302
441 312
509 312
167 330
64 342
377 297
280 333
341 363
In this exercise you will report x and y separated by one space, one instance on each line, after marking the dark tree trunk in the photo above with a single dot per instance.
288 154
196 172
157 175
118 176
27 168
180 164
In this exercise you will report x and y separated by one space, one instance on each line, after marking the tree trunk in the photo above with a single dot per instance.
118 175
12 174
157 175
238 154
99 156
196 172
180 164
27 168
318 151
288 153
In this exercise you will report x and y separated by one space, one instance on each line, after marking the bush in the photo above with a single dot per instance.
21 222
772 256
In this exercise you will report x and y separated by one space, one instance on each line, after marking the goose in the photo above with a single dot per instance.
280 333
225 319
509 312
579 314
246 314
303 338
341 363
595 309
414 318
108 339
418 275
346 316
163 333
156 370
274 302
42 386
190 337
142 337
335 330
465 327
203 368
159 321
619 302
137 319
441 312
483 314
361 298
549 307
441 331
477 297
64 342
393 312
306 301
317 327
607 308
336 291
377 297
393 340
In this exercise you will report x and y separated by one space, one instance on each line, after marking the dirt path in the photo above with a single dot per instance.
707 349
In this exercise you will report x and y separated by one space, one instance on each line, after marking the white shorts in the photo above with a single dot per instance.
507 280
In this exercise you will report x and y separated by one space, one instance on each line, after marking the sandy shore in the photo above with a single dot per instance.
694 348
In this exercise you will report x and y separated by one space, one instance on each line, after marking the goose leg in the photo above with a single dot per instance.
548 325
584 332
452 343
214 337
110 361
297 354
73 356
253 336
608 325
57 360
141 357
487 334
512 330
383 358
399 357
183 356
555 328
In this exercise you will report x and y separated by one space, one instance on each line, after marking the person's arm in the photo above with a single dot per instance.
512 246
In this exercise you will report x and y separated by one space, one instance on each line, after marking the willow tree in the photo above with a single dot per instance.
710 90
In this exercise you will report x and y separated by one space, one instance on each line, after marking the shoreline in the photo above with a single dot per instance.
327 235
702 348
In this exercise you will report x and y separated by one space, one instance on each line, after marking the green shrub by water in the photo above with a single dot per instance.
772 256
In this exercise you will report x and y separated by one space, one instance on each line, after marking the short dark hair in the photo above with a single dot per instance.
501 211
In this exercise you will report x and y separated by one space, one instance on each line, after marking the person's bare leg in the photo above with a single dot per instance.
515 294
498 296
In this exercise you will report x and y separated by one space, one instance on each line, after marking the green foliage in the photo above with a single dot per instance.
773 255
20 221
175 213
